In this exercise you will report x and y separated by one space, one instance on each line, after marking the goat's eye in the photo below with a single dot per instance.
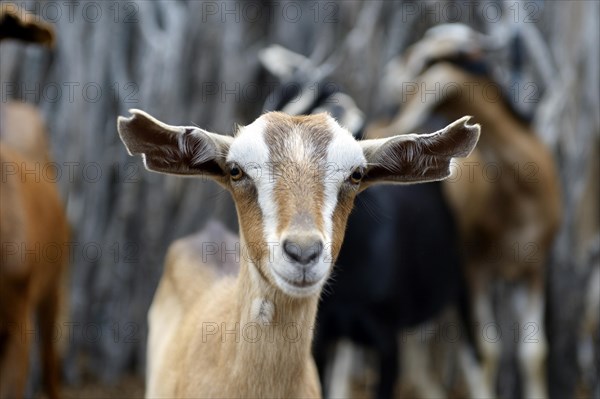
235 172
356 176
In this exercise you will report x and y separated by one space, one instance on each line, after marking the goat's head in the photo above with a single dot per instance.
455 44
16 23
294 180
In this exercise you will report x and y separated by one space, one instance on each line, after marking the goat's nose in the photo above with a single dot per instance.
303 249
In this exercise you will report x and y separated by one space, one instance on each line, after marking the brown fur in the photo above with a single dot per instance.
340 217
34 235
246 201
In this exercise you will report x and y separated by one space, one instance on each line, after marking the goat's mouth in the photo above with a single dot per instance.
299 283
301 287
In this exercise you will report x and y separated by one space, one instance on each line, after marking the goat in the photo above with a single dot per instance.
294 180
507 221
34 232
20 25
399 265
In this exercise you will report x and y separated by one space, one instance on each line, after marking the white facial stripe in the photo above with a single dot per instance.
344 154
250 151
249 145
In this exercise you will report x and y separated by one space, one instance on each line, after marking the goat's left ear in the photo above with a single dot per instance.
416 158
177 150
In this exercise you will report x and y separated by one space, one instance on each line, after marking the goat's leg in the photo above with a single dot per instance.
388 366
532 344
338 381
481 376
489 346
47 315
15 356
416 366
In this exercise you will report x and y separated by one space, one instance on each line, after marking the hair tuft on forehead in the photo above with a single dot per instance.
288 135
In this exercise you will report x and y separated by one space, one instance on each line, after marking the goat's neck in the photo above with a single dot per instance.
275 330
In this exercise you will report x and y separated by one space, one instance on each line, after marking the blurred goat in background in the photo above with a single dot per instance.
399 265
33 229
505 196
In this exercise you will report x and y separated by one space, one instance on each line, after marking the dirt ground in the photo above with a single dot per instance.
132 387
129 387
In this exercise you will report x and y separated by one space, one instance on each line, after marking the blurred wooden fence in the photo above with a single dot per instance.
196 62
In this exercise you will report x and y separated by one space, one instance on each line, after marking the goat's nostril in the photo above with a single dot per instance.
302 251
292 249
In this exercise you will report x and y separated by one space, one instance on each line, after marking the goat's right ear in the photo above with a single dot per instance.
175 150
416 158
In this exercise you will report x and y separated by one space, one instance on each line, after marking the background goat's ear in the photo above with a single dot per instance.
16 23
281 62
174 149
414 158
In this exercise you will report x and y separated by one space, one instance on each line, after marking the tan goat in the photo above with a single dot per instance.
33 231
505 194
293 179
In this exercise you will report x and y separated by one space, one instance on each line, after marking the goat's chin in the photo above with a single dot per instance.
291 285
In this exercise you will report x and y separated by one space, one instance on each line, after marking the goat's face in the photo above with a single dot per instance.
299 176
294 180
